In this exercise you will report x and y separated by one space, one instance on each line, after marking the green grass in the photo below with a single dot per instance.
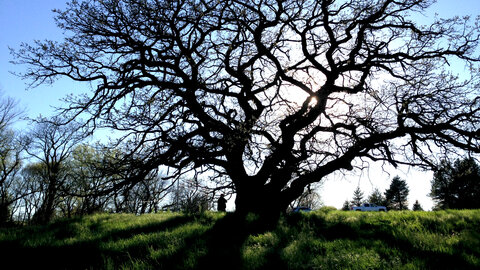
325 239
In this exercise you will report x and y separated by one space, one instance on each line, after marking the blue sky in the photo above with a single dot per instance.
27 20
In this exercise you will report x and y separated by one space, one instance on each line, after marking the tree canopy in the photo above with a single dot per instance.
397 194
11 148
357 197
457 185
268 96
376 197
417 207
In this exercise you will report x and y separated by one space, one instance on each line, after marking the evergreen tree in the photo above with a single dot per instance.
396 195
457 186
346 205
357 197
376 197
417 206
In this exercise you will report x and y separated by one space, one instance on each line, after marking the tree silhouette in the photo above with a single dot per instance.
267 96
357 197
346 205
376 197
457 185
396 195
51 144
11 147
417 206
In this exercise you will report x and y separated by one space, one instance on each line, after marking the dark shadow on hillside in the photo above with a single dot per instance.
79 255
218 247
218 244
224 243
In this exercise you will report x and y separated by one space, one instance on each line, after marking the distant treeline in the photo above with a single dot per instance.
455 185
52 170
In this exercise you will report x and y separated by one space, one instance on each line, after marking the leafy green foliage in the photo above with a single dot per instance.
323 239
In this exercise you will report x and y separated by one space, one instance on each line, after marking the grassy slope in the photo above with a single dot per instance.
317 240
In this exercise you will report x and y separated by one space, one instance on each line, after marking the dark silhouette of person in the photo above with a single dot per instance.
222 203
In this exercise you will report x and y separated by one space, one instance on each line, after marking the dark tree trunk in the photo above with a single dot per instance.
4 213
47 209
259 201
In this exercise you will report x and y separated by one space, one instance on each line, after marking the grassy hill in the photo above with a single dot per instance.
324 239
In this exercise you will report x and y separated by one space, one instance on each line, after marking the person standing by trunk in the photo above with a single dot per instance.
222 203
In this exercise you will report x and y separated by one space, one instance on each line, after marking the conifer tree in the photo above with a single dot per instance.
417 206
357 197
376 197
396 195
346 205
457 185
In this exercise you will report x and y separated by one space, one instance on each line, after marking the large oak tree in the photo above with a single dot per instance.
269 95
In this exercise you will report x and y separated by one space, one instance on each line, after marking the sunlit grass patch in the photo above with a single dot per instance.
348 254
183 240
300 253
396 240
258 249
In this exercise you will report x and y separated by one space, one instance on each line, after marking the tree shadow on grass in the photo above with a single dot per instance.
54 253
224 243
392 247
229 240
182 242
206 242
217 245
